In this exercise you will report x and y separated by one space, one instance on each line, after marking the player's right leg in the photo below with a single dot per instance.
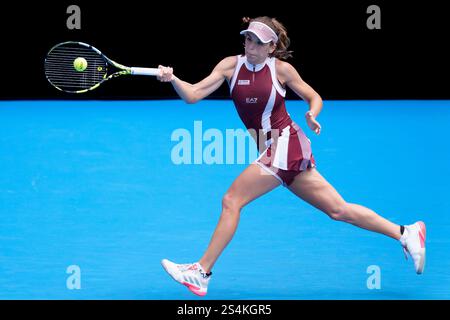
252 183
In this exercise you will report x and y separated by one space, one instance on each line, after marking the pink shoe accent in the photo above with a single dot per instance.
191 286
194 289
193 267
201 294
422 233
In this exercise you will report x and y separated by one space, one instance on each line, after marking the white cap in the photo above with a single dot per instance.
264 33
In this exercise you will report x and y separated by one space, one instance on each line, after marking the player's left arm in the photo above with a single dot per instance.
288 76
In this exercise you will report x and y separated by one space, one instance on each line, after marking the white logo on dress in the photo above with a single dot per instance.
251 100
243 82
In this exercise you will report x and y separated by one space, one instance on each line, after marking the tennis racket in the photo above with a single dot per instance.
77 67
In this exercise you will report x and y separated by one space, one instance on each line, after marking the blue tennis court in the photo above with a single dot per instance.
94 184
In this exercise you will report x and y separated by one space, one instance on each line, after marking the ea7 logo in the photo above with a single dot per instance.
251 100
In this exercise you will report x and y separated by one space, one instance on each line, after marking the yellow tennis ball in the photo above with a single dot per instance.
80 64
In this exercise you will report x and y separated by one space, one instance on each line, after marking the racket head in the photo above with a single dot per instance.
61 73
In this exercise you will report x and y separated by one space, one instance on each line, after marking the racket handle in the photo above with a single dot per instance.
145 71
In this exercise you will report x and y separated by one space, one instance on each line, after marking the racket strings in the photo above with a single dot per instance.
61 72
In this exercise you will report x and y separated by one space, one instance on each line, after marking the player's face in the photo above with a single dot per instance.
256 51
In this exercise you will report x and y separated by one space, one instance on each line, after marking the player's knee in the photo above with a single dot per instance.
338 212
230 202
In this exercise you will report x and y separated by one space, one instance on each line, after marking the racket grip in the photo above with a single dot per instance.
145 71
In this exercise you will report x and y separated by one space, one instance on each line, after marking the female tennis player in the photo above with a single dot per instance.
258 80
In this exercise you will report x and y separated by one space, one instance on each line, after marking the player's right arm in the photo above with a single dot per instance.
192 93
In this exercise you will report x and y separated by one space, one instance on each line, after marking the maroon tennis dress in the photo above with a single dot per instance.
285 151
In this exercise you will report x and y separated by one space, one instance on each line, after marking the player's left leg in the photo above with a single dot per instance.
310 186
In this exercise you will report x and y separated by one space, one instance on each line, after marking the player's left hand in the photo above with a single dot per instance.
313 124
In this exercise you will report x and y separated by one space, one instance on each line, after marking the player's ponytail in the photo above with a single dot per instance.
281 51
246 20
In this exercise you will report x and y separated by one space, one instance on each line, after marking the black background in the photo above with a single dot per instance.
281 309
334 51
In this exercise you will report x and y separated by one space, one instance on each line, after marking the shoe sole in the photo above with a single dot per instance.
194 289
422 236
422 262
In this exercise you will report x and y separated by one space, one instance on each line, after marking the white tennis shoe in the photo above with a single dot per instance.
191 275
413 242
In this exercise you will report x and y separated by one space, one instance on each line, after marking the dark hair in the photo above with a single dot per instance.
283 43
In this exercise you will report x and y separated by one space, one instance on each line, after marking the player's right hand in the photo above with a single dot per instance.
166 74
